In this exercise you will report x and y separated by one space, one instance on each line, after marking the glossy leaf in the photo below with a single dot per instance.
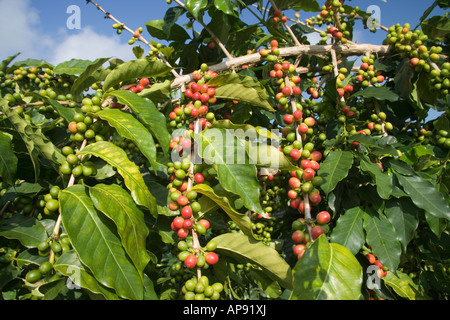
425 195
72 67
37 143
116 157
4 64
242 220
349 230
404 216
64 111
130 128
195 6
176 32
234 171
233 86
143 67
92 73
28 230
158 92
226 6
148 114
97 246
382 237
247 249
8 160
383 180
118 205
334 168
379 93
403 285
69 265
327 271
305 5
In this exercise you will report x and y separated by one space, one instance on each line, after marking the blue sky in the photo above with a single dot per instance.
39 28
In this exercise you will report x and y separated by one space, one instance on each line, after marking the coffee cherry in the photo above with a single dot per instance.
190 261
323 217
211 258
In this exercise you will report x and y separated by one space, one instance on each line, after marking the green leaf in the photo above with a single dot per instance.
8 160
403 285
403 215
92 73
425 195
437 26
139 68
65 112
304 5
226 6
116 157
118 205
244 248
327 271
234 86
195 6
148 114
234 171
242 220
129 127
382 237
72 67
70 266
349 230
383 180
334 168
36 142
158 92
28 230
4 64
379 93
259 152
30 63
171 17
176 32
96 245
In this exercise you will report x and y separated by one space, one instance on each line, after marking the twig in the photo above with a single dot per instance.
289 30
347 49
140 38
213 36
57 226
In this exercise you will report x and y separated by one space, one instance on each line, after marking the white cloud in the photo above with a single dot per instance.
20 30
87 44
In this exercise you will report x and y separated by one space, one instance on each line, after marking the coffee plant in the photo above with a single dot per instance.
232 161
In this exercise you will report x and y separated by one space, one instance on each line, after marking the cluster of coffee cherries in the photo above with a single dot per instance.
131 149
327 16
301 236
199 95
382 270
367 73
51 201
412 45
378 123
140 85
272 198
45 270
277 18
202 257
76 166
201 289
443 138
